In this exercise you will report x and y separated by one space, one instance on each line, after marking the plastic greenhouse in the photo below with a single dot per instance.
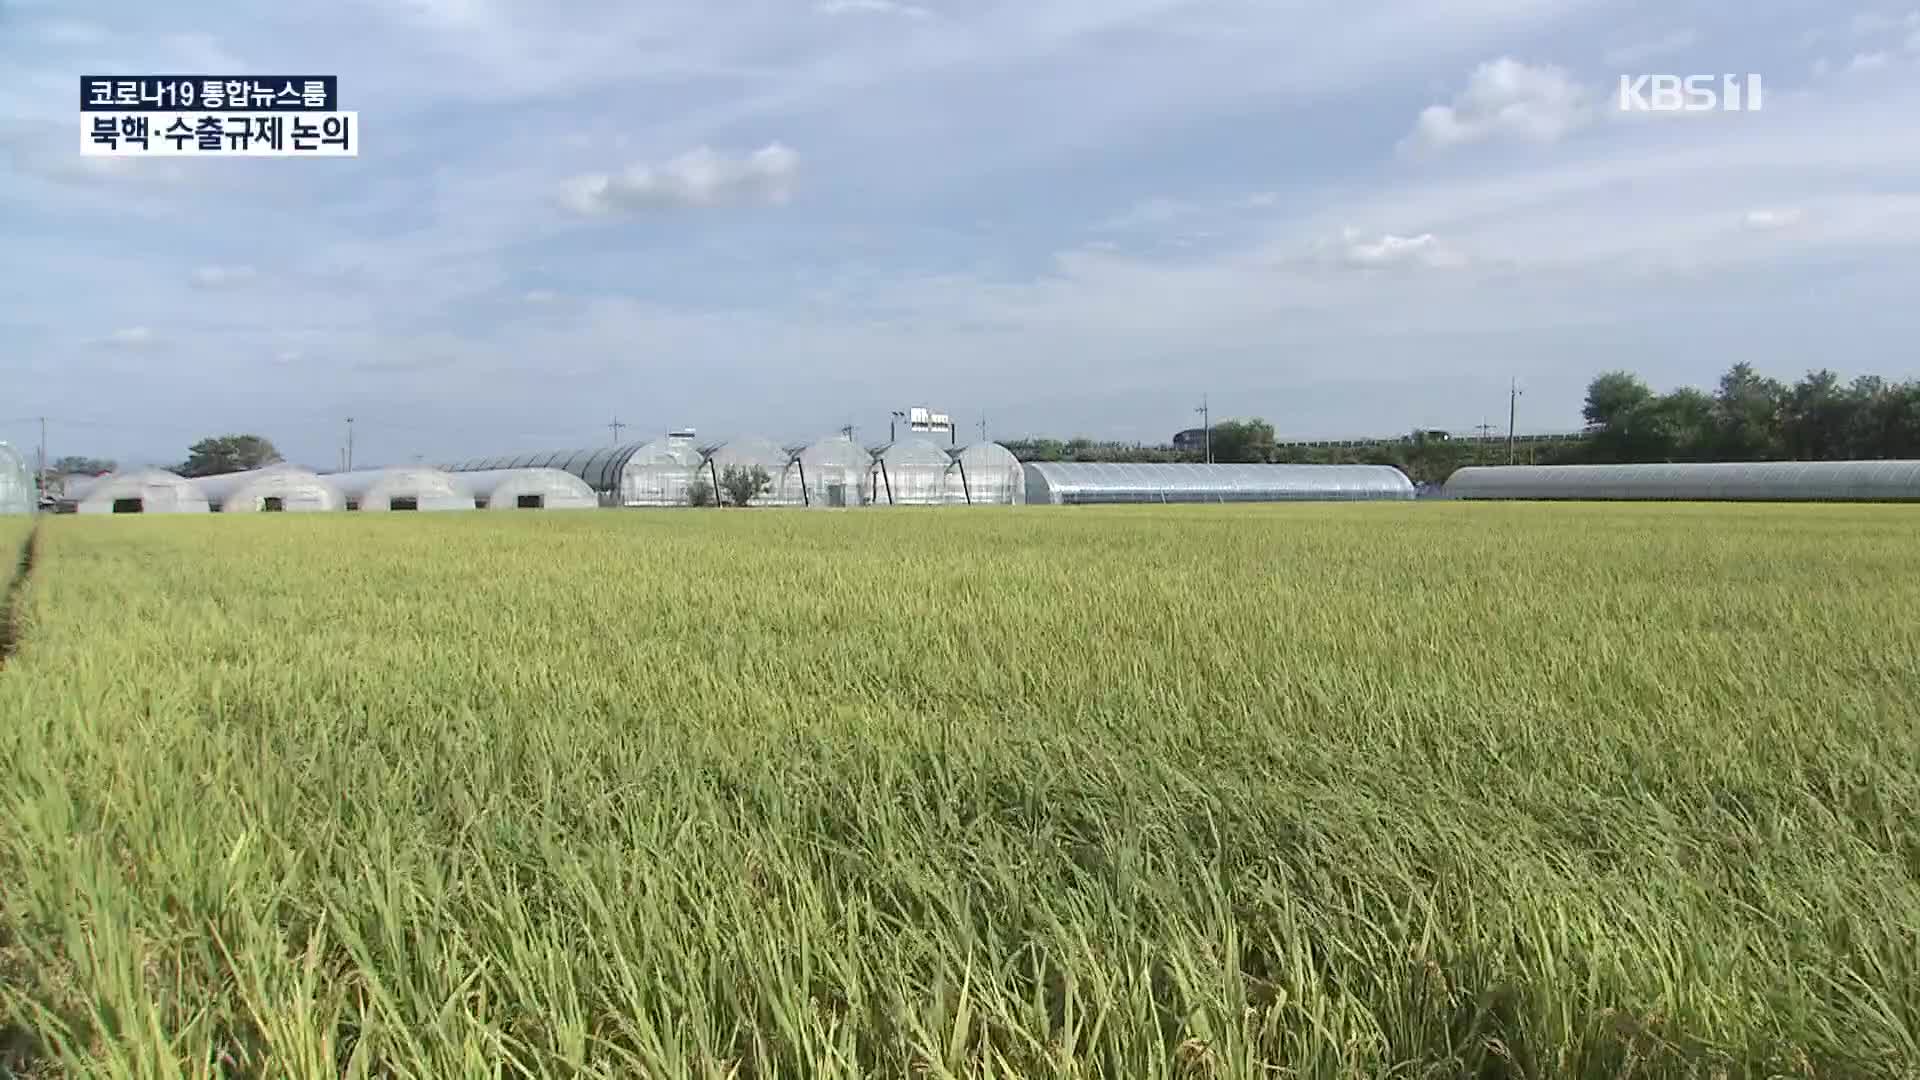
275 488
409 488
142 491
601 467
832 472
782 471
528 489
986 474
16 482
909 472
1755 481
1078 482
659 473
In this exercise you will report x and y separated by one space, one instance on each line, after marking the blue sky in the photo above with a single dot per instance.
1066 216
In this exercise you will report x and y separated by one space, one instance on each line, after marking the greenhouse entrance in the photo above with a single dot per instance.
404 503
530 502
836 494
272 504
129 506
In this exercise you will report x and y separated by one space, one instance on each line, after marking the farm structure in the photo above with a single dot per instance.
1080 482
527 489
1745 481
273 489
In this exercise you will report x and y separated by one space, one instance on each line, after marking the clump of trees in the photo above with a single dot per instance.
739 486
228 453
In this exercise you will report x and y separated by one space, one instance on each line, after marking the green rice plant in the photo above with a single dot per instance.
1314 791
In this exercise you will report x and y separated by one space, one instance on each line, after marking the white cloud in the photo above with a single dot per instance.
700 178
871 7
1872 23
1389 250
72 33
1506 98
131 337
1868 61
1777 218
1647 50
539 296
220 277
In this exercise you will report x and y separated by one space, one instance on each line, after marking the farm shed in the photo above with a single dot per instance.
658 474
142 491
406 488
1078 482
528 489
909 472
834 471
782 470
16 482
1750 481
986 474
274 488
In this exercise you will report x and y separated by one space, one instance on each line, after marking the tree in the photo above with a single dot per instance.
1243 441
228 453
1612 397
1746 416
742 485
700 493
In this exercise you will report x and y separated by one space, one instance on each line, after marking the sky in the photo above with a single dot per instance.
1053 217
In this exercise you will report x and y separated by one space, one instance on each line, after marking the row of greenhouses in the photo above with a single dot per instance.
16 482
287 488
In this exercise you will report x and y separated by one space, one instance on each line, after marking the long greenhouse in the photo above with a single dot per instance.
141 491
658 473
16 482
527 489
407 488
1758 481
1084 482
832 472
274 488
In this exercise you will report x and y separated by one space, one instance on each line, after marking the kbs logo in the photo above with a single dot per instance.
1690 93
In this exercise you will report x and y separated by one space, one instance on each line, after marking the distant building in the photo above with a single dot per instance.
920 418
1190 439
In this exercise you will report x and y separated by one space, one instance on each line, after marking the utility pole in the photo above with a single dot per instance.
616 426
349 444
1513 407
983 427
40 494
1206 425
893 431
848 432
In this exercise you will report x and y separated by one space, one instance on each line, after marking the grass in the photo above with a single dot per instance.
1409 791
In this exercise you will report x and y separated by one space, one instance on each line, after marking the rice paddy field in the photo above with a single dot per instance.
1408 791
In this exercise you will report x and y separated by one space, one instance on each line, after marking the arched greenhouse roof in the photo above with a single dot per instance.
1076 482
986 474
380 489
909 472
599 466
297 489
16 482
1741 481
155 491
527 489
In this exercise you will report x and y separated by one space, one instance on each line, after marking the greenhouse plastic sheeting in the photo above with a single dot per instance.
836 471
602 467
1758 481
145 491
658 474
16 482
986 474
380 489
527 489
295 489
1081 482
910 472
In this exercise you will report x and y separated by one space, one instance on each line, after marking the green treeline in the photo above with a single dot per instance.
1746 417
